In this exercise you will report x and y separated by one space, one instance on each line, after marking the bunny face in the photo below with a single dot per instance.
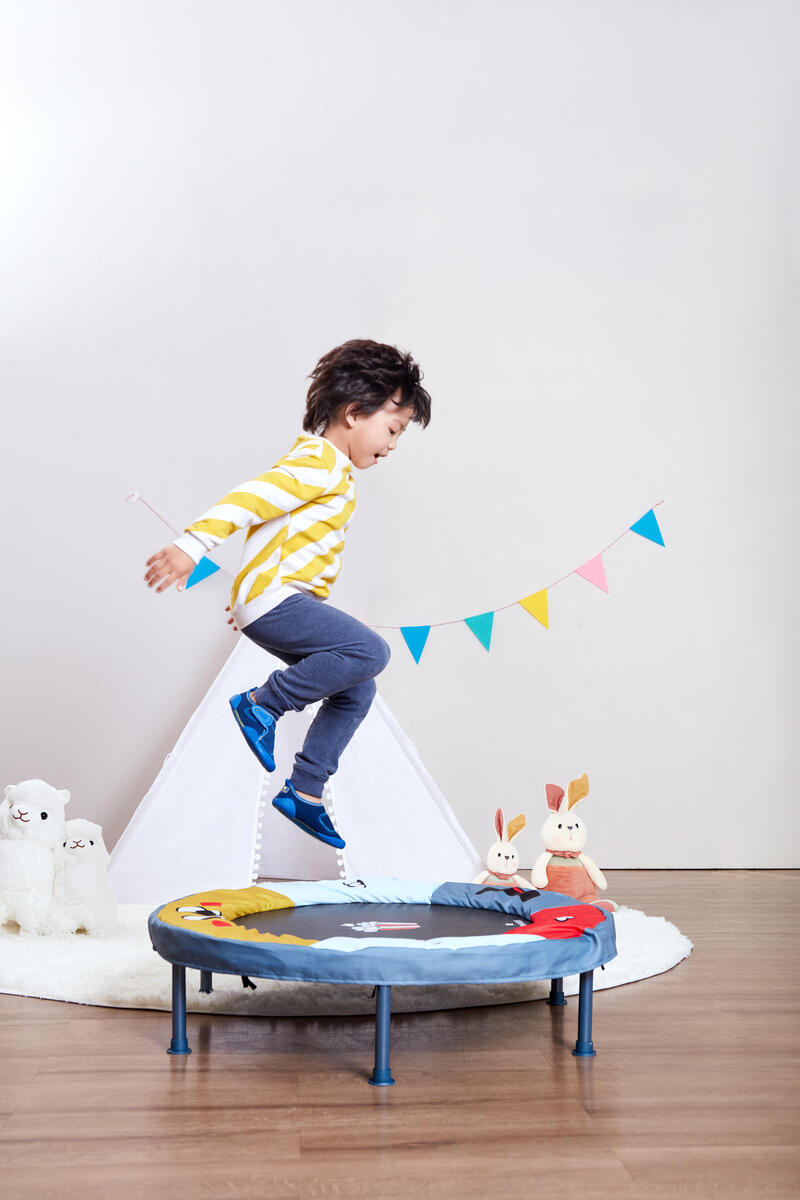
564 830
83 842
34 811
502 857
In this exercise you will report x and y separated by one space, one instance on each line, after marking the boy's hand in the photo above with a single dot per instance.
169 566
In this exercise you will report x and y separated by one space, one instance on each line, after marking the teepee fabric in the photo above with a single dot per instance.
207 821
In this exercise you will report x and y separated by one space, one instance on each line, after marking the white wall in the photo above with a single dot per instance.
577 216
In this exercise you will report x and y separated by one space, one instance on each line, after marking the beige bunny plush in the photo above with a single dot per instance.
564 867
502 859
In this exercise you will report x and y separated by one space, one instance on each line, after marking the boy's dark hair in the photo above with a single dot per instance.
366 374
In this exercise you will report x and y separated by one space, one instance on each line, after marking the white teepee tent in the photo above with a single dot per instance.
207 820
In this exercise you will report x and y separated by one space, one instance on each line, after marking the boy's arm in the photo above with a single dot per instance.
300 476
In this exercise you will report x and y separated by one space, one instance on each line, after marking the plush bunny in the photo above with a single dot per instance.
31 826
564 867
502 859
82 896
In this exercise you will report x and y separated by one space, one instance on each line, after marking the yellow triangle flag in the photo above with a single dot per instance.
537 606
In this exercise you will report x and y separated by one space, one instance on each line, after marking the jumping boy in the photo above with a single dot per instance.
362 397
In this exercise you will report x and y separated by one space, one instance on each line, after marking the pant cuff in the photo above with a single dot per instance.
302 782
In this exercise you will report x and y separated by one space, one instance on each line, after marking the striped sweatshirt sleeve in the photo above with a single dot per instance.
299 477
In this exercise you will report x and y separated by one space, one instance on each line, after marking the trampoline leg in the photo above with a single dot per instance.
179 1044
206 985
556 992
583 1046
381 1075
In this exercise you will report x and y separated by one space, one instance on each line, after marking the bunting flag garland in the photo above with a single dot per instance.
416 636
595 572
202 571
536 605
647 527
481 625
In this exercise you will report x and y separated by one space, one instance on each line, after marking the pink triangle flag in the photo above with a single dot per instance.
595 572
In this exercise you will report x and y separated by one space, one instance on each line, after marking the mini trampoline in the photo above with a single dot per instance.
383 932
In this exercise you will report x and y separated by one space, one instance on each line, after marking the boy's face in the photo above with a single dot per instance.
372 435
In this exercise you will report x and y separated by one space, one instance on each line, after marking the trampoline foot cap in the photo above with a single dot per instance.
179 1047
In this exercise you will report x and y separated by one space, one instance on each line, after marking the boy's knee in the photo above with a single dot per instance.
383 653
378 652
356 699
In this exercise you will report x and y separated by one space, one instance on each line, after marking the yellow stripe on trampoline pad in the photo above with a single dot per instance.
231 904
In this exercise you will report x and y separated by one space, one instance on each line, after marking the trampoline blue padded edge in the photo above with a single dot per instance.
548 935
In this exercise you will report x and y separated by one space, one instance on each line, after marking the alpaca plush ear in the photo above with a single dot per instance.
64 796
578 789
515 826
498 823
555 795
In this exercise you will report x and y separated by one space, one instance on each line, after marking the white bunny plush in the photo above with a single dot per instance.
82 895
502 859
564 867
31 826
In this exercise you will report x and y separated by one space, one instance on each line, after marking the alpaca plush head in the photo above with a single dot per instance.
82 843
33 811
563 830
502 858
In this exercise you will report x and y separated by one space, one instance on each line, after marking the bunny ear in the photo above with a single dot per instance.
498 823
555 795
578 789
515 825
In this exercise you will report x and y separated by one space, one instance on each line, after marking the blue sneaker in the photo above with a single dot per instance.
311 818
257 726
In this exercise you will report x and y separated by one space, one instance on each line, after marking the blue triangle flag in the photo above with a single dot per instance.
481 626
416 636
202 571
648 528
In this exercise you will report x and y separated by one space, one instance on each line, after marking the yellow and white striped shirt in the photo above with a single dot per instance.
296 516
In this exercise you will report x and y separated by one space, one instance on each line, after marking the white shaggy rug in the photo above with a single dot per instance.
123 971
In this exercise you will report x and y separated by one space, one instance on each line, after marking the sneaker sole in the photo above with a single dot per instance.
337 844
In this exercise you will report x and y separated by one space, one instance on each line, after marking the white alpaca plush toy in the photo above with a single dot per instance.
82 895
31 826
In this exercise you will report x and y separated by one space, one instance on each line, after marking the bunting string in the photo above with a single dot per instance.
480 624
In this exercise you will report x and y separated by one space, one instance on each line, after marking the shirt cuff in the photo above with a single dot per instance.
191 546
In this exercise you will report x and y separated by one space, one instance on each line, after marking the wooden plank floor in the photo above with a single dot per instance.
694 1092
